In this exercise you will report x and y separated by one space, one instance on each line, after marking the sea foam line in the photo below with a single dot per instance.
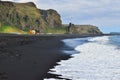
96 61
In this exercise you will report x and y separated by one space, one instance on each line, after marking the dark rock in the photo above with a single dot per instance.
82 29
51 17
3 76
7 3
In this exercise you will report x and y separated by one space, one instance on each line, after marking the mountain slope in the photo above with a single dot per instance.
27 16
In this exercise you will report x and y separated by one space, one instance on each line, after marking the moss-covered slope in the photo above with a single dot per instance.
27 16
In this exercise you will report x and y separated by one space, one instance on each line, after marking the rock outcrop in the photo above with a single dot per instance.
51 17
26 16
82 29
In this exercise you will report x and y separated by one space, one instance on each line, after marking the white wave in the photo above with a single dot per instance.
74 42
95 62
103 39
52 79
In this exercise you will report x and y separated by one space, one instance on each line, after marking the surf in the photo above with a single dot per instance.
97 60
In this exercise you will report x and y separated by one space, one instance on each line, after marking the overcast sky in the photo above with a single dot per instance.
102 13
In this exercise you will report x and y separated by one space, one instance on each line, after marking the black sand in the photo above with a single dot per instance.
24 57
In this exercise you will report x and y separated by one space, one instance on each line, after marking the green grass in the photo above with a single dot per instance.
48 30
9 29
24 9
57 30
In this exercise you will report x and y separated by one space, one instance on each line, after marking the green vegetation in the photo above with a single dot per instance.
9 29
56 30
48 30
26 16
25 9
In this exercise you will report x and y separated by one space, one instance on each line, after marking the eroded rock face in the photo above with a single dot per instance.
51 17
26 16
82 29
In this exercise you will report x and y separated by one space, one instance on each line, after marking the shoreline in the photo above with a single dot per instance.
26 57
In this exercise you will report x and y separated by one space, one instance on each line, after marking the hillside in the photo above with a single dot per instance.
27 16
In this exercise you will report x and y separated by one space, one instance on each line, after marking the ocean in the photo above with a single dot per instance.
93 58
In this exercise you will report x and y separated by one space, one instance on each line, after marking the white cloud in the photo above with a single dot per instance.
6 0
25 0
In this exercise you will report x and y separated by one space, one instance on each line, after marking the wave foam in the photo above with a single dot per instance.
103 39
95 62
74 42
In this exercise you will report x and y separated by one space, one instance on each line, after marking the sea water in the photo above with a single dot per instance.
98 59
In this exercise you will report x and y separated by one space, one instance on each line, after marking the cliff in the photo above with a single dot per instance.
51 17
82 29
27 16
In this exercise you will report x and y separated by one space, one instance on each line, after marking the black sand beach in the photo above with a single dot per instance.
25 57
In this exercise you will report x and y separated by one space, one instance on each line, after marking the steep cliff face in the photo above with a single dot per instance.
82 29
26 16
51 17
